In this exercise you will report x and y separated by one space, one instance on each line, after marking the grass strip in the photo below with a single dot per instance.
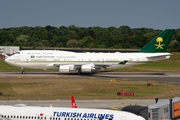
64 88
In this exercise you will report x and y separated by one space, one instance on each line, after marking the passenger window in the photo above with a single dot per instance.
14 116
38 118
74 118
41 117
17 116
8 116
50 118
20 117
35 117
45 118
59 118
23 117
64 118
32 117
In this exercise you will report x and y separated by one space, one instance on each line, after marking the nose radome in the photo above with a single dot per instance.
7 60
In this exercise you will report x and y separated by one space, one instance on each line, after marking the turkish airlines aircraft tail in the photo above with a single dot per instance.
73 103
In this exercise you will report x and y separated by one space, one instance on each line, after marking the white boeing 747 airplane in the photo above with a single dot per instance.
68 62
23 112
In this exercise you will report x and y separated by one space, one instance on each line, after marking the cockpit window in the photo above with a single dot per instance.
17 52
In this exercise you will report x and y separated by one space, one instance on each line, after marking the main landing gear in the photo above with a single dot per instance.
79 72
23 72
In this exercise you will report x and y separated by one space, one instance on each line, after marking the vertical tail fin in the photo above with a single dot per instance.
159 43
73 103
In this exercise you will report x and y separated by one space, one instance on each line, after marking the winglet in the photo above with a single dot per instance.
123 63
73 103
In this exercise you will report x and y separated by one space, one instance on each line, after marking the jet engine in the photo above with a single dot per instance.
87 68
137 109
66 68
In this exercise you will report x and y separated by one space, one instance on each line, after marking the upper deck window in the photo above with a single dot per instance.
17 52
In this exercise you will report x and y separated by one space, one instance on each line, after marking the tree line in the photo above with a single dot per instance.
80 37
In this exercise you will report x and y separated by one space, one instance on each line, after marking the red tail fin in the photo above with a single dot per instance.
73 103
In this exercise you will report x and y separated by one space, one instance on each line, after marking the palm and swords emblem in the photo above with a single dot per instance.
159 40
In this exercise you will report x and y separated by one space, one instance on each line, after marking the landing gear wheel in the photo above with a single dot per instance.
79 72
23 72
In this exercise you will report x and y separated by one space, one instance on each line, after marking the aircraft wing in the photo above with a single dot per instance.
80 64
83 67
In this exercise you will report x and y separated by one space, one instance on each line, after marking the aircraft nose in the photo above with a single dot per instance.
7 60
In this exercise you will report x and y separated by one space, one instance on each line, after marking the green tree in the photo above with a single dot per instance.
85 42
61 39
59 44
50 36
23 39
5 37
125 29
17 43
112 29
45 43
174 44
72 43
43 34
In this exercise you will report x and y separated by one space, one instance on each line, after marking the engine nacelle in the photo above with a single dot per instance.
87 68
137 109
66 68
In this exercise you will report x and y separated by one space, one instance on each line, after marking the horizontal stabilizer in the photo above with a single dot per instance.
123 63
154 56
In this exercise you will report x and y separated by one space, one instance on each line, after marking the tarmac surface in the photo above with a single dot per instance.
161 77
94 104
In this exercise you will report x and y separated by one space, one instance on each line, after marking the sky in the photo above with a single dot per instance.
156 14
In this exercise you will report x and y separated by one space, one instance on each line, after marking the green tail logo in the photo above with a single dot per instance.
159 43
159 40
